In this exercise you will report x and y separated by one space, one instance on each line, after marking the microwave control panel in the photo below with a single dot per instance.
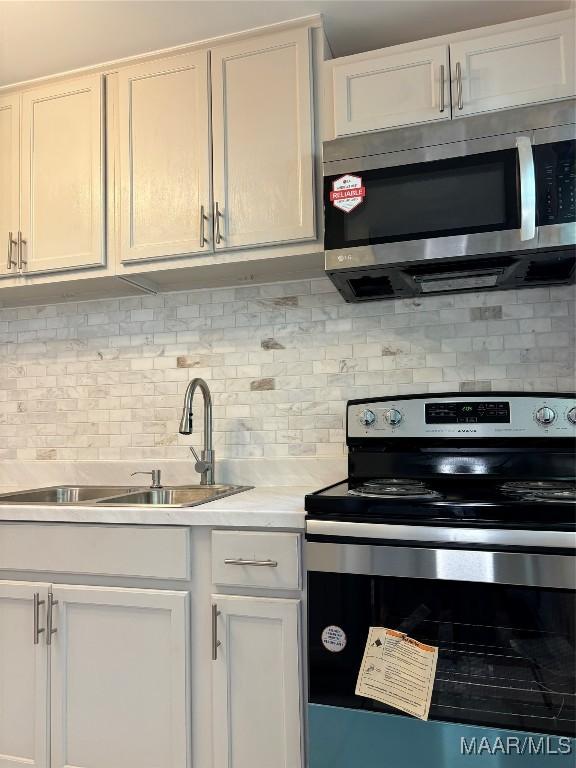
556 182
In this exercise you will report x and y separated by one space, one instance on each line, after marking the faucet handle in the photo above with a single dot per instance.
204 464
156 475
201 465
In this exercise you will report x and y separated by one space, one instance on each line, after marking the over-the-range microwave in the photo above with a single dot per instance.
475 203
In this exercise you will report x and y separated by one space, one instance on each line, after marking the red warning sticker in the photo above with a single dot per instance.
347 192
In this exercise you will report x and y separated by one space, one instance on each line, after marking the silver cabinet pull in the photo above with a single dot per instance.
215 642
242 561
442 104
50 629
527 185
459 95
10 261
217 214
203 219
37 628
21 260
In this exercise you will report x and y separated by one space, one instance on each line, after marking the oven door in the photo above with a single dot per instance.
449 200
504 623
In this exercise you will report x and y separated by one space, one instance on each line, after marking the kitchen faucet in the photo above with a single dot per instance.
205 463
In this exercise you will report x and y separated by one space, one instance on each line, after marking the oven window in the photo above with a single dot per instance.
457 196
506 653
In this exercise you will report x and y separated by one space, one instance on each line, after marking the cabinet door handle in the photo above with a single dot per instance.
10 261
215 642
442 104
50 629
37 629
459 95
217 214
21 260
203 219
242 561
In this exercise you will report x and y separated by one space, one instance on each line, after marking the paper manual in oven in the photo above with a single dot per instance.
398 671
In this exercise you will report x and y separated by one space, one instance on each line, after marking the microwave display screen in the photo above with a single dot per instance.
468 413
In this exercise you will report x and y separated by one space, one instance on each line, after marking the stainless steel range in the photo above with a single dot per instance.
456 525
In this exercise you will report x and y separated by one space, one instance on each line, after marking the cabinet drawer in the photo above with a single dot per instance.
134 551
251 559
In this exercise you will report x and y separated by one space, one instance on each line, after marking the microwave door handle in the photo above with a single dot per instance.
527 188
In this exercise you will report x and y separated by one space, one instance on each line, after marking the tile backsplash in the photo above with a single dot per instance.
104 380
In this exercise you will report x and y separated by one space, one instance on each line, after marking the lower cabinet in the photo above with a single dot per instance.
118 685
23 677
256 682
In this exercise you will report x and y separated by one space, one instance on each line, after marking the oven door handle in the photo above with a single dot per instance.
430 535
527 184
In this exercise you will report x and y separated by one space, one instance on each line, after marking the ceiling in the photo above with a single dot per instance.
43 37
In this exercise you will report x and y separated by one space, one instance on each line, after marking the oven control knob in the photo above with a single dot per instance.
393 417
367 417
572 415
545 416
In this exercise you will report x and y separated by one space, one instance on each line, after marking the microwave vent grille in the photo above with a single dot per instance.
551 270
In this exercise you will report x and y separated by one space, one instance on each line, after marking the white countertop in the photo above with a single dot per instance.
263 507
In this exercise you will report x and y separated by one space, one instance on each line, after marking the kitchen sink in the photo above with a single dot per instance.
65 494
175 496
120 495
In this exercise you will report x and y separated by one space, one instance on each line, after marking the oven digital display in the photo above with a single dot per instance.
468 413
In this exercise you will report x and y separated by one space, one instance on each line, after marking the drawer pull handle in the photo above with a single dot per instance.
242 561
37 629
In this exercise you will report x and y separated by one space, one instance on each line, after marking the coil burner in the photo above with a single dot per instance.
394 488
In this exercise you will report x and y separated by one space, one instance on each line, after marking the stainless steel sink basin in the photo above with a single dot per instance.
179 496
65 494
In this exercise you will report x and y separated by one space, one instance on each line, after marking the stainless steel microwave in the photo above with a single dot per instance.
476 203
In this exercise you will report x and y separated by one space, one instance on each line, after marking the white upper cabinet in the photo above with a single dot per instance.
62 192
165 158
392 89
513 68
263 140
514 64
118 679
23 676
9 183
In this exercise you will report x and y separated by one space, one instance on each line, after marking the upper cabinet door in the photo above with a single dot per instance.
391 89
513 68
9 182
165 158
263 141
23 676
62 214
119 678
